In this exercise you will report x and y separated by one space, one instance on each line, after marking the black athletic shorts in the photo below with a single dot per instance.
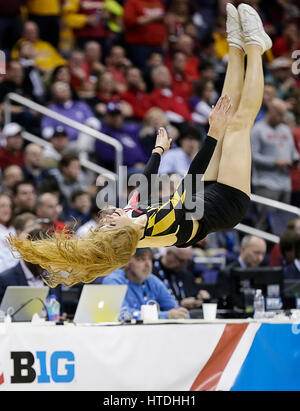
224 208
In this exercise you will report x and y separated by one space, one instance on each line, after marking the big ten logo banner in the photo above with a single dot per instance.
59 367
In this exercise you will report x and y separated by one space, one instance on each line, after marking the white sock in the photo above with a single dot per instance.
236 45
256 43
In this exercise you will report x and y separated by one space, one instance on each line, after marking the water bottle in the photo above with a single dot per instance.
53 308
259 305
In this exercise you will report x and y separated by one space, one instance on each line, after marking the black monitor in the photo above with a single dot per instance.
257 278
291 293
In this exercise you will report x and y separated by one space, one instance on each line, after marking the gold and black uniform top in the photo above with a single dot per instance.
169 222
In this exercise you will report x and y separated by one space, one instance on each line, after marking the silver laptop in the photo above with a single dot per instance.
100 303
17 296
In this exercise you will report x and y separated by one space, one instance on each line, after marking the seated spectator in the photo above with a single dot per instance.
186 45
177 15
285 250
33 83
26 274
173 270
253 251
117 64
135 95
91 224
14 82
292 271
155 118
282 253
80 208
281 77
269 94
22 224
144 286
92 61
201 102
24 197
47 16
33 165
127 134
6 215
11 175
181 85
70 177
47 57
155 59
63 104
53 153
163 97
12 153
106 88
144 27
59 73
288 42
273 152
78 70
178 160
106 92
48 208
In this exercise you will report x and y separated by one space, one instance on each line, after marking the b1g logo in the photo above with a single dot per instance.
59 369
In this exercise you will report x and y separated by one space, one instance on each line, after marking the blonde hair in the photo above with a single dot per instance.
68 259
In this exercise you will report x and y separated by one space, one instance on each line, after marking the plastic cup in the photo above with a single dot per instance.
149 312
209 311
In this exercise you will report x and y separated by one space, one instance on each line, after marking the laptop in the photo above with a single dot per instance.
100 303
16 296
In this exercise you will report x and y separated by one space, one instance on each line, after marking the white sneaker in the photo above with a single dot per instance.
235 36
253 29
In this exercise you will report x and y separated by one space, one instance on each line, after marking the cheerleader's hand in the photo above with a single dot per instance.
219 117
162 140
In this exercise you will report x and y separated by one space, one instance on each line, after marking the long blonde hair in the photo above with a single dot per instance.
68 259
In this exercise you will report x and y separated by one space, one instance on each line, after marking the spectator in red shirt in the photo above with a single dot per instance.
12 153
135 94
92 61
117 63
178 14
186 45
106 92
162 96
181 84
288 42
78 70
145 31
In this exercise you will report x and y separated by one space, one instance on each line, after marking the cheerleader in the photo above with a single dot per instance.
224 160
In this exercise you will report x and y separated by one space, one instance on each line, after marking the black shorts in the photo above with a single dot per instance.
224 208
